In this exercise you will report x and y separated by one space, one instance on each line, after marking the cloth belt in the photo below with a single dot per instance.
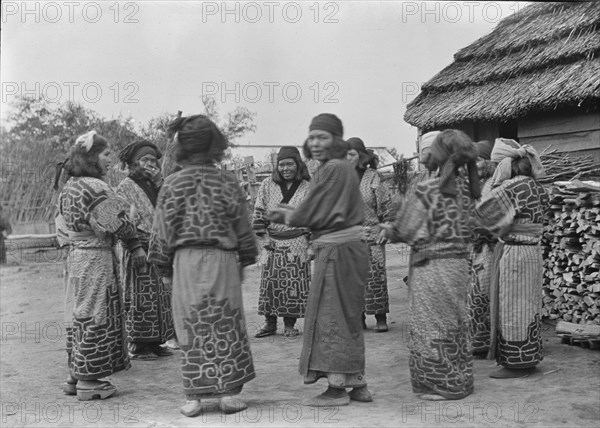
460 251
531 230
353 233
285 235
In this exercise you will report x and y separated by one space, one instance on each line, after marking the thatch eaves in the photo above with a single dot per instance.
542 58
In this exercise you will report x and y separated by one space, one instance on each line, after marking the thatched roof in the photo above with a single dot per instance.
542 58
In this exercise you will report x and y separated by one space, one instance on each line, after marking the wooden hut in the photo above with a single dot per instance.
535 78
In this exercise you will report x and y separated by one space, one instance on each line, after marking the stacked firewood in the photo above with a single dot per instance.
563 166
571 245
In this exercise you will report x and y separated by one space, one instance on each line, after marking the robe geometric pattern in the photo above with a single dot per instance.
285 275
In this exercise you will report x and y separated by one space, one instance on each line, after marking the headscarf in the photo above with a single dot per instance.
505 151
426 142
199 135
291 152
138 149
327 122
287 152
484 149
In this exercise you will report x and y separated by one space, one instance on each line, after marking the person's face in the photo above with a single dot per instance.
480 166
319 144
427 160
104 161
353 157
287 168
149 164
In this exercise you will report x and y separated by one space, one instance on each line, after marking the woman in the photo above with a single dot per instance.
149 319
478 298
333 337
285 275
90 217
376 205
202 238
436 222
514 211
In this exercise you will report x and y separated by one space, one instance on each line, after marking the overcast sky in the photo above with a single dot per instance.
286 61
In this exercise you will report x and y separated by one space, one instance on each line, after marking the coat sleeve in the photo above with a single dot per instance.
259 222
160 251
410 223
496 211
320 200
383 200
111 216
248 250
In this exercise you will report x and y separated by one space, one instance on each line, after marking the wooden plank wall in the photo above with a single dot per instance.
569 132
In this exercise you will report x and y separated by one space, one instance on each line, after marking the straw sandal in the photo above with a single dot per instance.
361 394
159 351
231 405
145 355
70 386
326 400
101 391
266 331
291 332
191 408
432 397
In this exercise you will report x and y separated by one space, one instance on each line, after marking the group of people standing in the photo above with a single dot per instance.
184 243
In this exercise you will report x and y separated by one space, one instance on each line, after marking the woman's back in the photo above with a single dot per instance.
201 205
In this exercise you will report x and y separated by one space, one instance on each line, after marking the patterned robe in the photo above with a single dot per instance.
478 299
438 229
90 216
515 211
333 341
376 206
202 235
147 300
285 275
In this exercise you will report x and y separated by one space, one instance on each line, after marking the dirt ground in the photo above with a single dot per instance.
564 392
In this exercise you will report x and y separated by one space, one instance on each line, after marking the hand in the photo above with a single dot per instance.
384 233
167 281
139 260
278 214
151 170
382 239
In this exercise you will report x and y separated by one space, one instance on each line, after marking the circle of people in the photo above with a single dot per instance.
157 264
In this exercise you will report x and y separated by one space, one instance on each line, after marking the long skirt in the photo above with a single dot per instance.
284 284
333 341
516 300
376 295
478 298
441 359
209 322
96 343
147 302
